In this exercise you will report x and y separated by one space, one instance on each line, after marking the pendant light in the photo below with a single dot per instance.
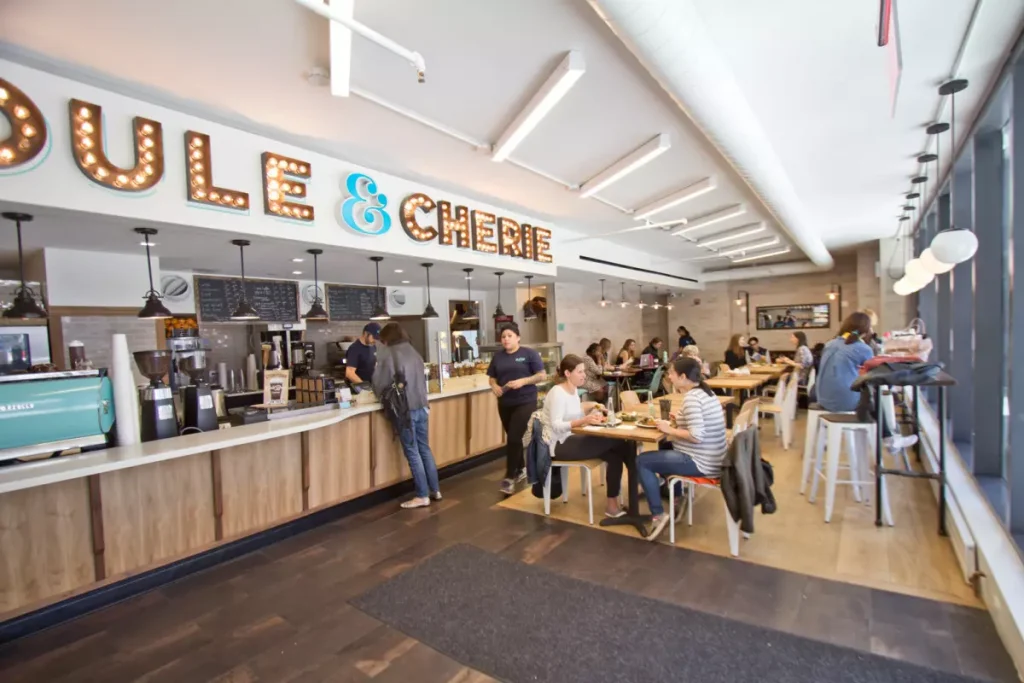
604 302
429 311
244 310
154 308
498 311
623 303
25 305
954 245
316 309
671 295
379 312
927 258
470 315
529 312
657 304
641 305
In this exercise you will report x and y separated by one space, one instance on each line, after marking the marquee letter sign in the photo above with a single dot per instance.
407 217
279 174
87 148
28 127
199 176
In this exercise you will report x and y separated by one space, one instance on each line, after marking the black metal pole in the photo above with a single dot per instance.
942 461
917 424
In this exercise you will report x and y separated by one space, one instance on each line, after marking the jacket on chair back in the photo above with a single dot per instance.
746 480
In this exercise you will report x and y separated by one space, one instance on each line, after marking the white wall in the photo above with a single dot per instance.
92 278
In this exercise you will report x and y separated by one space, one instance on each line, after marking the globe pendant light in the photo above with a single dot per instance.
316 309
933 264
154 308
429 311
25 306
927 257
498 311
244 310
903 287
529 313
954 245
604 302
470 315
379 312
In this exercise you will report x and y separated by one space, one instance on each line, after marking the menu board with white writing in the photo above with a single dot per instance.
277 301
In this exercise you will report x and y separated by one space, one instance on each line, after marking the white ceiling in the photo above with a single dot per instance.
484 61
809 70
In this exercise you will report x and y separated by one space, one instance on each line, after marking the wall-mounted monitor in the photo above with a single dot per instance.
794 317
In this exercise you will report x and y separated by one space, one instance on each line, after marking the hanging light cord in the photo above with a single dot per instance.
149 265
21 263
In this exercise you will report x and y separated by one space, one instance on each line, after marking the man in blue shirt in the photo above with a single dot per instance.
361 357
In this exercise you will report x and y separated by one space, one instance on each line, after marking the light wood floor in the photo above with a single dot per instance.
908 558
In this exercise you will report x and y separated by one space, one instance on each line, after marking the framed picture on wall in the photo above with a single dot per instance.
794 317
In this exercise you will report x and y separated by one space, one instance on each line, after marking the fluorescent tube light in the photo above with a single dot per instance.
750 247
738 233
644 154
712 218
543 101
777 252
686 194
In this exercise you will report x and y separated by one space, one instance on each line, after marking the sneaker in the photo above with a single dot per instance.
899 442
521 477
658 524
416 503
508 486
436 495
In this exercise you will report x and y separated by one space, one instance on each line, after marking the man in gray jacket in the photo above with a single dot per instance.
400 369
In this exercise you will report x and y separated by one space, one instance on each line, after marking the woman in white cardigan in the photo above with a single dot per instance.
566 412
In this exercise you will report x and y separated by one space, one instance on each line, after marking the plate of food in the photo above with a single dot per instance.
647 423
628 417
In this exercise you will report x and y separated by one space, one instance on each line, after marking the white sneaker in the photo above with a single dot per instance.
899 442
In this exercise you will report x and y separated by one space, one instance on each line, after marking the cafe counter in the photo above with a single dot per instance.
75 523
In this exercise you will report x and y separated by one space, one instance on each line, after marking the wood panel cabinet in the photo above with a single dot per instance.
156 512
449 436
485 432
338 461
261 483
389 465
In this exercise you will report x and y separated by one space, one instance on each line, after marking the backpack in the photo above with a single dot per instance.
395 402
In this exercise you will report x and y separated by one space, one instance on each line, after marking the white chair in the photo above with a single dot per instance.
833 430
811 377
783 408
586 481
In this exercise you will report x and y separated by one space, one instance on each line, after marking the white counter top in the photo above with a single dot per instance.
53 470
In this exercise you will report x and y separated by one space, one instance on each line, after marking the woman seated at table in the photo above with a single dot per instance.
653 349
606 352
757 353
840 366
693 352
698 439
626 353
736 354
566 412
803 358
595 386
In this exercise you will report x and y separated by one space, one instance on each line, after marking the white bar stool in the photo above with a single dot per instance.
814 411
860 439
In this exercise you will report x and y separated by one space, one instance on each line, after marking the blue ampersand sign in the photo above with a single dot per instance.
363 211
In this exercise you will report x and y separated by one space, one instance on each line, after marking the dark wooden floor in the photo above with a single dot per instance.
282 614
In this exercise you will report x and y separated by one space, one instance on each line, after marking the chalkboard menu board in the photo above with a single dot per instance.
277 301
349 302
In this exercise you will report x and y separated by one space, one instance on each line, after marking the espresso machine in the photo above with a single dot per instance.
158 420
200 412
303 354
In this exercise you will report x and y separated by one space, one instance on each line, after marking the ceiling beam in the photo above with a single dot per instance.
646 153
750 246
543 101
767 254
728 236
341 48
701 187
712 218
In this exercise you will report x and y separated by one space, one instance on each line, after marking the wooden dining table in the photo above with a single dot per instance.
642 439
773 371
738 384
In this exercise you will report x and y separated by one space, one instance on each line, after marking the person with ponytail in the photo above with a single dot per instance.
698 439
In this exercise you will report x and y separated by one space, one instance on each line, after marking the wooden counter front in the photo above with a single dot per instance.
65 538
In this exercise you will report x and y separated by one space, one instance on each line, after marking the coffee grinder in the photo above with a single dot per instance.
200 412
158 417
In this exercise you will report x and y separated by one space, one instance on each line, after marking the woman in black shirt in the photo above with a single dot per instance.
735 355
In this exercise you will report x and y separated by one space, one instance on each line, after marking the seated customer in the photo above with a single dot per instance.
736 355
693 352
626 353
594 385
653 349
566 412
757 353
698 439
802 359
840 366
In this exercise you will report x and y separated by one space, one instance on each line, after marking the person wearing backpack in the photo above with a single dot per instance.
401 387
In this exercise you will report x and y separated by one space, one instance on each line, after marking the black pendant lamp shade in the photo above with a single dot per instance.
244 310
25 306
154 308
429 311
499 312
379 312
529 312
471 314
316 309
913 195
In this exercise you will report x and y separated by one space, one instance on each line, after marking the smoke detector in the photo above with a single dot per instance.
318 77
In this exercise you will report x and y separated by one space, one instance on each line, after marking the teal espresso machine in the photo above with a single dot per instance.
51 412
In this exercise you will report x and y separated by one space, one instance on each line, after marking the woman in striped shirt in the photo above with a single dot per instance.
698 439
